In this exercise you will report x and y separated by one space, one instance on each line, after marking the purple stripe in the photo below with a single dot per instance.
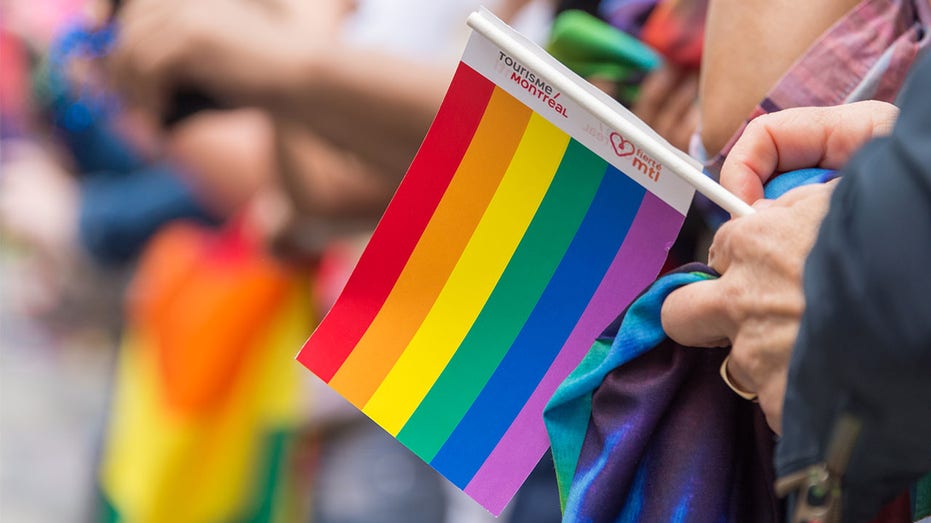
636 265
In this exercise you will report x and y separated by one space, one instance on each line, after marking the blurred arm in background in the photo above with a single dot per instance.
288 57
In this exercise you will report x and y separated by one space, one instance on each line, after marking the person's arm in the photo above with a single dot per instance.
225 157
757 303
327 183
286 57
864 346
749 45
376 105
326 192
864 339
282 58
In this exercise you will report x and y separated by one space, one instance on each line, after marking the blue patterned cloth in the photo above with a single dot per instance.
645 430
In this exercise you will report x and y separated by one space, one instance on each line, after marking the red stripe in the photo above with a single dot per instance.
401 227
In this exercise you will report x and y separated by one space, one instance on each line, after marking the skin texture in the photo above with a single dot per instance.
224 156
344 123
756 305
284 56
331 192
799 138
749 45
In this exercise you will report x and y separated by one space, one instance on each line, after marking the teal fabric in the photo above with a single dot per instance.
638 330
568 411
921 499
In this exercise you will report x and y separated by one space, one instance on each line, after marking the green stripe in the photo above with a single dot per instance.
271 501
922 498
271 485
510 304
273 495
105 511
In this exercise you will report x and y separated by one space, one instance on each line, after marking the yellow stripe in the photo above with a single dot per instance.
474 277
438 250
159 466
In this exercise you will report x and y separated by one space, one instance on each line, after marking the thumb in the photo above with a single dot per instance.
695 316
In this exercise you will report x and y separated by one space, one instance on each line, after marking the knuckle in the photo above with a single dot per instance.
723 237
747 362
760 123
733 304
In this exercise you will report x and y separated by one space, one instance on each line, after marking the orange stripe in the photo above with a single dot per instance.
438 250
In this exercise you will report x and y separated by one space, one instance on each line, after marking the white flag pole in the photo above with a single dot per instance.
484 23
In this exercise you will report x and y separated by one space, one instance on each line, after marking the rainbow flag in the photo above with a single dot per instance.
522 228
207 402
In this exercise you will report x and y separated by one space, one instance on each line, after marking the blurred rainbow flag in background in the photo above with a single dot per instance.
523 227
207 399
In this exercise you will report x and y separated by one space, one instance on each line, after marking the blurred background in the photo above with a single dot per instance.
185 187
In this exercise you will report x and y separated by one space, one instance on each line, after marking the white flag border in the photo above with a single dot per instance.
607 110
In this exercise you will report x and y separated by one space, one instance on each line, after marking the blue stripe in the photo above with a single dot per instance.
566 296
634 506
583 479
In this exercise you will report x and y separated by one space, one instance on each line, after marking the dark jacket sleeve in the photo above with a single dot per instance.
864 346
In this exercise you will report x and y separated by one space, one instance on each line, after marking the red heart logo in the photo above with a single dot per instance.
621 146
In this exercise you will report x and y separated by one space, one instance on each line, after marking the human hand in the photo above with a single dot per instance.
667 103
756 304
800 138
330 192
242 53
226 157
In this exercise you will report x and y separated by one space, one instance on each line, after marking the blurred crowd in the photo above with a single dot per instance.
185 187
167 250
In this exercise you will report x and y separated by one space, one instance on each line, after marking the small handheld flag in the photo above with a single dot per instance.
536 209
